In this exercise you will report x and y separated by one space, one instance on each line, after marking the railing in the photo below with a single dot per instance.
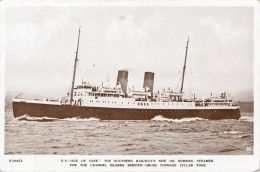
214 103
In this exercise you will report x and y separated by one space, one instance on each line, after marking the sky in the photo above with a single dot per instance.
41 44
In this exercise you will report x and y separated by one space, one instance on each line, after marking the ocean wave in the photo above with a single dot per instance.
47 119
38 119
161 118
246 136
231 132
247 118
228 149
80 119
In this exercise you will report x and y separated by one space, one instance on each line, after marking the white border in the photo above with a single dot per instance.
52 162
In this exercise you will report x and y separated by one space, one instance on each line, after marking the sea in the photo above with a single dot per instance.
160 136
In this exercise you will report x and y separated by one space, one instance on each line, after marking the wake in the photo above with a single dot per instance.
161 118
48 119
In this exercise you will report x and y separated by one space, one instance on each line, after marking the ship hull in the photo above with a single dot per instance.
67 111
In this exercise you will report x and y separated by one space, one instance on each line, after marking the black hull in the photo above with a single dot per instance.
67 111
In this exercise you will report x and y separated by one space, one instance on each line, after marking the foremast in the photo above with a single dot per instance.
74 71
184 67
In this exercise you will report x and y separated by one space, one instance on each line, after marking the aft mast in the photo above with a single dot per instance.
184 67
74 71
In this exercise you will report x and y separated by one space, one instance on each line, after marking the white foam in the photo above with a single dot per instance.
161 118
247 118
40 118
231 132
27 117
21 117
81 119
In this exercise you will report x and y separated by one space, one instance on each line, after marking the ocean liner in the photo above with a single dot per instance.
123 103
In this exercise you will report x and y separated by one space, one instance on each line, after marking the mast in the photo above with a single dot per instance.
184 67
74 71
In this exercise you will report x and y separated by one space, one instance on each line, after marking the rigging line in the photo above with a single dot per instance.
34 77
40 71
90 72
81 65
80 71
63 66
190 72
30 71
188 84
168 81
85 73
177 85
53 73
171 81
189 76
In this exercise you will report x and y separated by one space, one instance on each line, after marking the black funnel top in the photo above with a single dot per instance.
122 78
149 80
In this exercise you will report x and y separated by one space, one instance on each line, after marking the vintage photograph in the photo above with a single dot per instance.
129 80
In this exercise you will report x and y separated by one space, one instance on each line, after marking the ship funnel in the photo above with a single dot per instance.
122 78
148 81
